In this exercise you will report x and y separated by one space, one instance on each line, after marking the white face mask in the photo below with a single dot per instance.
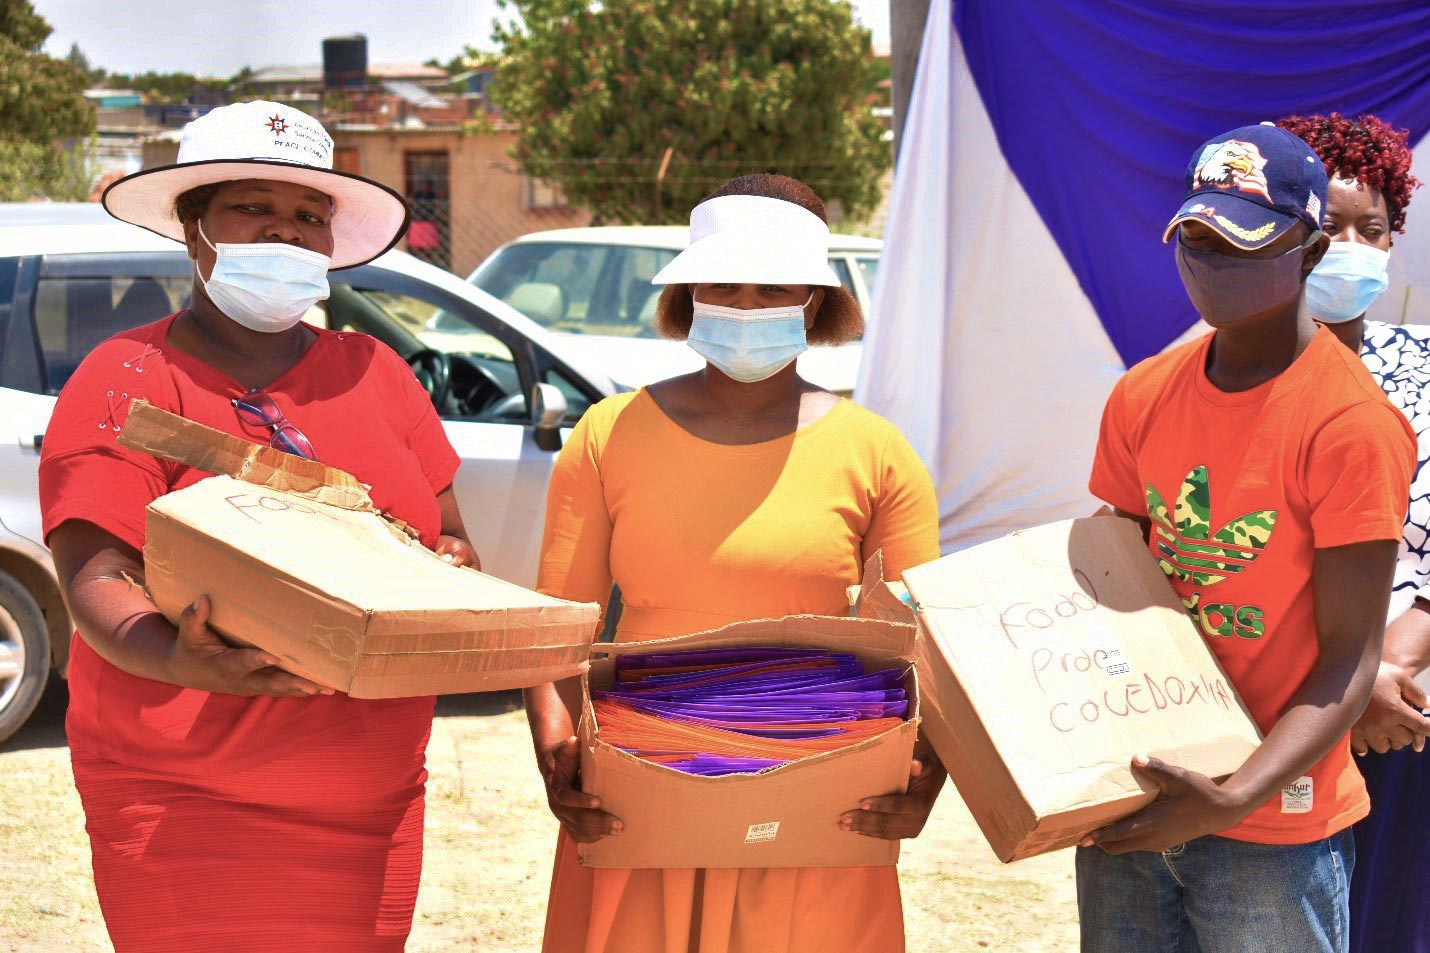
265 286
1346 282
748 344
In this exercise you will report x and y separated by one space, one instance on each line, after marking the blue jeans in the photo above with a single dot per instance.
1217 895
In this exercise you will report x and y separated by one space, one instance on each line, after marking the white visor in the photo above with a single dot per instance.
747 239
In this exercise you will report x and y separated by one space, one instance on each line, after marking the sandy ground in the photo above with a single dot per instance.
488 853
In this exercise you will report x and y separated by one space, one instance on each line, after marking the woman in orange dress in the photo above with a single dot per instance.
737 492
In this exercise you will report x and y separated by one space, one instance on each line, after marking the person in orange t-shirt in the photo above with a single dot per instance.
1270 476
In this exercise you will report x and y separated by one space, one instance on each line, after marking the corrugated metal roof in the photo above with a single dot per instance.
414 94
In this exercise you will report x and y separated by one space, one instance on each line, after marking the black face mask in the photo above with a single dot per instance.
1224 289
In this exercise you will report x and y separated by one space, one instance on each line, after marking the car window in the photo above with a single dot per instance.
485 382
73 315
9 271
624 302
579 288
869 269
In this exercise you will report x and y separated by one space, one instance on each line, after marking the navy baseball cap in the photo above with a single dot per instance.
1252 184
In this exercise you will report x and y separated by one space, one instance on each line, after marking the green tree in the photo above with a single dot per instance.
42 108
601 92
80 62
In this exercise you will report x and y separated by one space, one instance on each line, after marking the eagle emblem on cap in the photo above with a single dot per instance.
1234 164
277 124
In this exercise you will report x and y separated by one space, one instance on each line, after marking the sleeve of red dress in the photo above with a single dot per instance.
84 474
426 435
576 545
905 520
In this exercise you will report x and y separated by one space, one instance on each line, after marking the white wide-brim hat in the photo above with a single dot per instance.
748 239
264 140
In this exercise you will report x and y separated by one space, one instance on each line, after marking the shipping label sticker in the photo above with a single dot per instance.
762 833
1107 651
1298 797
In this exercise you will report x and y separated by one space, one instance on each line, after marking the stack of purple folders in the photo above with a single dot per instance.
742 710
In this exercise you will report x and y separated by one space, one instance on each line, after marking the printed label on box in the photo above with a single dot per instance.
1298 797
762 833
1107 651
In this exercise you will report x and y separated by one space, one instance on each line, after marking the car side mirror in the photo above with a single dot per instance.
548 406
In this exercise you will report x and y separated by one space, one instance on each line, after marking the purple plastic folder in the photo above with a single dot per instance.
775 693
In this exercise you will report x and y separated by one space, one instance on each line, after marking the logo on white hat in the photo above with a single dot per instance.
277 124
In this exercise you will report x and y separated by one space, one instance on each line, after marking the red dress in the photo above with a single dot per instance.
219 822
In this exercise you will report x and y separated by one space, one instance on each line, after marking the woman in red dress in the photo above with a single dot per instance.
231 805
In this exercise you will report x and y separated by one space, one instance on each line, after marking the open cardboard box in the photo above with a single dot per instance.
781 817
1043 663
1049 659
296 560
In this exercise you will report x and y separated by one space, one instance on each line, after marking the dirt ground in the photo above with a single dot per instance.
488 853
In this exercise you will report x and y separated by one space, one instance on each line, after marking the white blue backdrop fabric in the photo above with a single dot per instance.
1042 155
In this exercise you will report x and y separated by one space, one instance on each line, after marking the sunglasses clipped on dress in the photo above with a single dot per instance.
258 409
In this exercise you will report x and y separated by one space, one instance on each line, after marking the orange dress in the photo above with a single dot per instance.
699 535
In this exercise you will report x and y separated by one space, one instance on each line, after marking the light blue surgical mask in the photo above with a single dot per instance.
265 286
748 344
1346 282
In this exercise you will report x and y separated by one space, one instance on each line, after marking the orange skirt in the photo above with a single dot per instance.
778 910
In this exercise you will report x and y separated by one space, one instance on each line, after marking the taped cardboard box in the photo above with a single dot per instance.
296 560
1049 659
781 817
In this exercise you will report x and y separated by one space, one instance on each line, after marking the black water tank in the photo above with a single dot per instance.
345 61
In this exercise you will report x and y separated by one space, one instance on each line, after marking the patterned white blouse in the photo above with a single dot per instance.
1398 357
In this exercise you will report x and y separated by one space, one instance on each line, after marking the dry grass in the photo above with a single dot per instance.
489 842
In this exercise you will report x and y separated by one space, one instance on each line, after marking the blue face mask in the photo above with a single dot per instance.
748 344
1346 282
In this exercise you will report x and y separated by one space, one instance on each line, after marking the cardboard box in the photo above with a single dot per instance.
782 817
878 598
1048 660
296 560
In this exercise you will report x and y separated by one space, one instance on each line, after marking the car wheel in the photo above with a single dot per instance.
24 655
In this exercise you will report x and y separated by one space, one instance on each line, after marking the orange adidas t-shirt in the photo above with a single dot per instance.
1242 489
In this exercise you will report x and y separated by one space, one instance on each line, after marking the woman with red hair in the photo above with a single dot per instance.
1368 164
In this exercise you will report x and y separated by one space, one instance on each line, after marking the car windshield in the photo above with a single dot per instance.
437 328
577 287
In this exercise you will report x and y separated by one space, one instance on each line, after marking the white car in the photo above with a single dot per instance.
70 277
591 286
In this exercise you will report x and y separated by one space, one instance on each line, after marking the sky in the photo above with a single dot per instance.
220 37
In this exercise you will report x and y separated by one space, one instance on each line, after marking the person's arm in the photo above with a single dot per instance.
454 541
101 578
904 527
427 438
575 565
1393 719
1407 641
1352 589
550 711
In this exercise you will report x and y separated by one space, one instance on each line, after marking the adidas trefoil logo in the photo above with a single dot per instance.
1188 550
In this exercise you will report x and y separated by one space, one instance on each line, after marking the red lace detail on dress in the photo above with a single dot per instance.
115 404
138 362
